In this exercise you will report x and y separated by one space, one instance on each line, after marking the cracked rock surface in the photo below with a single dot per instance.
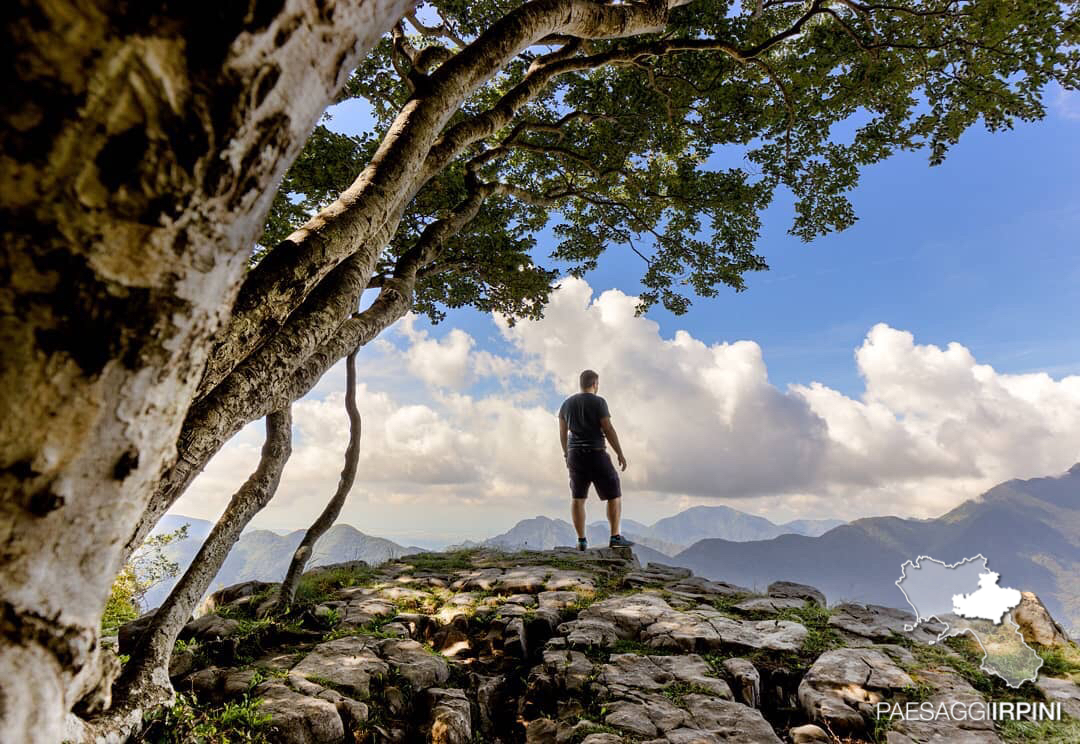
568 647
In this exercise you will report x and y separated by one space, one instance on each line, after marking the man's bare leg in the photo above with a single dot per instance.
577 511
614 513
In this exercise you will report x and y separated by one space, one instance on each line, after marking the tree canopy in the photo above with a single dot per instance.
660 130
140 155
667 146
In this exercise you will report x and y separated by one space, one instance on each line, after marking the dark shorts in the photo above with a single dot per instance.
592 467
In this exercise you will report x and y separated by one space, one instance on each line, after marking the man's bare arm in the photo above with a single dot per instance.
613 438
563 430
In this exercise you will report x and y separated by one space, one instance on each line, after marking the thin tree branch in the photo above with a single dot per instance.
443 30
282 280
333 508
155 645
402 48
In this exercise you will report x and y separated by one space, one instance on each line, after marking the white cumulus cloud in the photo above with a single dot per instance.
460 441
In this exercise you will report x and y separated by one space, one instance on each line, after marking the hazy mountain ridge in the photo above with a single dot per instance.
264 555
1029 530
723 522
545 533
669 536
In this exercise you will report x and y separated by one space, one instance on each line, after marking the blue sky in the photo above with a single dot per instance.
900 367
982 249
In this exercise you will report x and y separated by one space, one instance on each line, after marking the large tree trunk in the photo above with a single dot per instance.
254 391
139 150
145 679
332 511
400 166
240 380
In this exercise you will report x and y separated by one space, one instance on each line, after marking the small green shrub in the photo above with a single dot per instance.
595 728
320 586
121 606
677 692
188 721
1059 662
458 560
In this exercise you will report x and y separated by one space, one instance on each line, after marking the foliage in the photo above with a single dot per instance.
677 692
319 586
148 567
331 618
584 732
820 636
1065 731
152 564
670 146
251 638
373 627
446 562
262 674
187 721
725 604
120 607
1059 662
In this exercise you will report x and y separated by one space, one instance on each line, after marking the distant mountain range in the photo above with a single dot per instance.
658 543
264 555
1029 531
703 522
669 536
544 533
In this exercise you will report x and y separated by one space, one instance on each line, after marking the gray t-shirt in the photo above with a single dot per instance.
583 412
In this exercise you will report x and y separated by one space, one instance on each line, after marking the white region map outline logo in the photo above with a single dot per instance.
976 605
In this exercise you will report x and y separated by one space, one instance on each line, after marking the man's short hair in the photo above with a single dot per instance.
588 379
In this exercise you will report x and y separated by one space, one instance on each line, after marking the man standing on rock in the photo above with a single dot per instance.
584 428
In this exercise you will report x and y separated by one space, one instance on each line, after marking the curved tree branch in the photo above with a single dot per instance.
144 681
288 273
443 30
330 514
263 384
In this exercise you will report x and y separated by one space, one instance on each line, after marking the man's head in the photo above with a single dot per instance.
590 381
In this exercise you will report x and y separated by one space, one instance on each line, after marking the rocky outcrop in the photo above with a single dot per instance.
562 647
878 624
1064 691
1035 622
842 687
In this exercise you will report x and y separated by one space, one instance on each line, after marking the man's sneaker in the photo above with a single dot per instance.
618 541
582 543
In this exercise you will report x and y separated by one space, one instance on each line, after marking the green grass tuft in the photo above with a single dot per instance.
458 560
1065 731
187 721
1059 662
316 588
677 692
596 728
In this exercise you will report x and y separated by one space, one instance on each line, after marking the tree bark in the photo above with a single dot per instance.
208 428
289 272
139 148
241 383
333 508
145 680
288 367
